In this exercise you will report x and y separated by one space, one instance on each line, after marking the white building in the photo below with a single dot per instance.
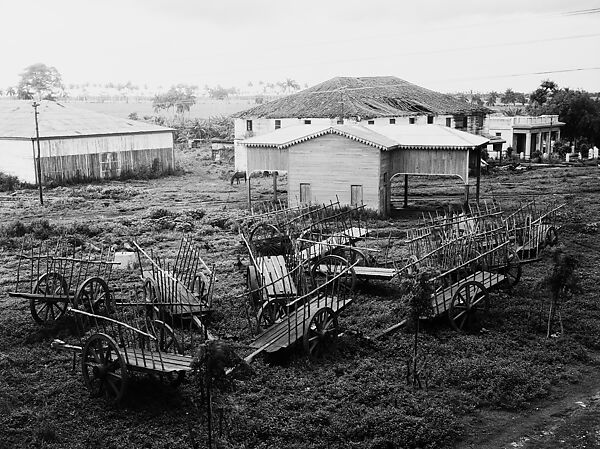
525 134
384 100
78 145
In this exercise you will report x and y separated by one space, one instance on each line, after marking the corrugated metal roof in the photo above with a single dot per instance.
384 137
365 97
17 121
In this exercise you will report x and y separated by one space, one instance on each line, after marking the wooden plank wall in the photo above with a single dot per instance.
83 167
449 162
331 164
267 159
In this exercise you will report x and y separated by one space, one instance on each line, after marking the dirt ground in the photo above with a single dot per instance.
506 387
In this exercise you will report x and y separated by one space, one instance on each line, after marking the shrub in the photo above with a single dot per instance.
8 183
536 156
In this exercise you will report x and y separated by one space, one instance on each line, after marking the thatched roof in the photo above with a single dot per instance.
364 97
17 121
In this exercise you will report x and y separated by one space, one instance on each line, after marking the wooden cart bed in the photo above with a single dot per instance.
278 281
155 361
291 328
341 238
442 299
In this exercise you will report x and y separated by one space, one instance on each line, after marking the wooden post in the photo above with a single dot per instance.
275 186
478 174
405 191
249 193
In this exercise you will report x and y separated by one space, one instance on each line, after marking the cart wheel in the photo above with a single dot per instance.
270 313
513 269
253 283
166 341
321 333
104 369
469 302
353 256
93 296
268 240
330 266
151 297
551 236
45 310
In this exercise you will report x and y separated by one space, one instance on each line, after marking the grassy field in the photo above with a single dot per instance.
203 108
479 385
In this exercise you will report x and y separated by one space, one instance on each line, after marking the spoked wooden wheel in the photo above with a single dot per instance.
353 255
93 296
551 236
54 306
254 284
513 269
166 342
334 272
321 333
268 240
469 305
270 313
103 368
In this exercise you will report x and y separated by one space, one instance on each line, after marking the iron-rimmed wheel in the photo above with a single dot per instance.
253 283
551 236
321 333
104 369
513 269
268 240
353 255
469 304
271 312
49 309
336 272
93 296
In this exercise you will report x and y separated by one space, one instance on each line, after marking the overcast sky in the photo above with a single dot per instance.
440 44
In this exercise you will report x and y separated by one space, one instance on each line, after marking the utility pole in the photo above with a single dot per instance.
39 164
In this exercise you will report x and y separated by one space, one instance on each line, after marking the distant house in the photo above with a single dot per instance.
525 134
368 101
77 144
356 163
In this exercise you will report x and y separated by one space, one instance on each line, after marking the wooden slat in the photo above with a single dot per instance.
276 276
181 300
326 246
158 361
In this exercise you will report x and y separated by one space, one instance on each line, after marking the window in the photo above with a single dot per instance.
465 122
430 119
411 121
448 122
340 121
277 124
356 195
248 125
499 134
305 193
392 121
109 165
371 122
307 122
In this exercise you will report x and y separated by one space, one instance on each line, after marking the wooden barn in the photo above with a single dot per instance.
357 163
367 101
78 145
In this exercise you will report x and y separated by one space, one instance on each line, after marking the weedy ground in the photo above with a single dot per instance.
356 396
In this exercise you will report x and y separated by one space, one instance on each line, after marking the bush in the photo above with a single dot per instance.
8 183
536 156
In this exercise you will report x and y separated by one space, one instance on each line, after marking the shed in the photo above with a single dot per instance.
78 145
357 163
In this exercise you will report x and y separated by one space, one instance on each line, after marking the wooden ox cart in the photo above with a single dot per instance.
531 228
113 349
56 274
178 290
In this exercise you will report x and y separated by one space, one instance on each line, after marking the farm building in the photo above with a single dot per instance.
526 134
368 101
357 163
77 144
